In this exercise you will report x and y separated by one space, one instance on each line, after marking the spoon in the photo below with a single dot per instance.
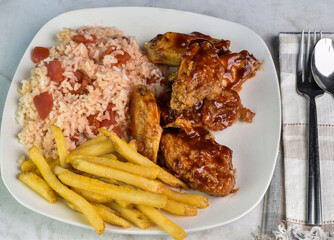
322 64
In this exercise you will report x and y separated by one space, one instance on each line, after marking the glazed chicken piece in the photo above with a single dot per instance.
170 47
238 68
200 76
145 121
215 115
198 160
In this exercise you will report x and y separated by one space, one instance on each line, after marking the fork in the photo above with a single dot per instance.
307 87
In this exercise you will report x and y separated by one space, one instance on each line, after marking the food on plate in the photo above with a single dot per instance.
158 218
38 185
216 114
116 192
119 175
197 200
112 162
61 145
39 53
93 108
132 215
132 156
145 121
198 160
107 214
85 83
199 76
85 207
169 48
180 208
238 68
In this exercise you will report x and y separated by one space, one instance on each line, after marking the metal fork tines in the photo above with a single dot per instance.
308 87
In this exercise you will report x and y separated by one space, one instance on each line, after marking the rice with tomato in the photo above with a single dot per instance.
81 84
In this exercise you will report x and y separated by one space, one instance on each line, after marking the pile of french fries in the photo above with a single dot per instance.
108 181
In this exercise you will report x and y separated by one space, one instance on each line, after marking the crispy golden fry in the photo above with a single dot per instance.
99 198
92 197
108 215
147 172
145 121
171 46
134 144
29 165
38 185
66 193
97 139
61 145
112 191
155 216
197 200
99 148
131 214
109 155
180 208
107 172
134 157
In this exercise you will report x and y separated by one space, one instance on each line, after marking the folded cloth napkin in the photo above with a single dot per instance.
295 140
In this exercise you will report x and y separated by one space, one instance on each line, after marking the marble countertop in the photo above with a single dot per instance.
21 19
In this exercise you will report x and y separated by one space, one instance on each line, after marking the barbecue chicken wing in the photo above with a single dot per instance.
199 76
198 160
238 68
145 121
170 47
215 115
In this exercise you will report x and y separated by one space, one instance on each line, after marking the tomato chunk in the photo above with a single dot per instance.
55 71
111 121
81 78
82 39
105 123
121 58
39 54
43 103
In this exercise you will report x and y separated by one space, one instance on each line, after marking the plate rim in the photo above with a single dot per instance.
147 232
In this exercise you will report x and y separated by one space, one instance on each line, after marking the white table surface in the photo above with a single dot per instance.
21 19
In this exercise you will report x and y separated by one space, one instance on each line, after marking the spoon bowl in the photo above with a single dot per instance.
322 64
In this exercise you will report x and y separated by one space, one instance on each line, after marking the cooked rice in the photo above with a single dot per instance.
110 84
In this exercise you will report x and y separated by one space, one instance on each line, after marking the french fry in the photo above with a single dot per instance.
109 155
99 198
107 214
107 172
180 208
132 156
27 166
147 172
158 218
133 144
38 185
92 197
86 208
112 191
131 214
196 200
61 145
92 141
96 149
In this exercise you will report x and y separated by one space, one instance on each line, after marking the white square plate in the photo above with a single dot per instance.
254 146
